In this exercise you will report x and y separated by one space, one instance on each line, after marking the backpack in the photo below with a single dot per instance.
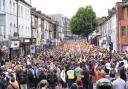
3 83
30 74
112 73
23 77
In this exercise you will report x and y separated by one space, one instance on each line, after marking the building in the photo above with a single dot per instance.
122 25
107 30
24 26
43 28
8 21
63 30
15 25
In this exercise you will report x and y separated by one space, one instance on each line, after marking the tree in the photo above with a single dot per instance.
84 21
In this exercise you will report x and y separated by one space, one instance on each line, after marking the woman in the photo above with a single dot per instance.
13 84
43 84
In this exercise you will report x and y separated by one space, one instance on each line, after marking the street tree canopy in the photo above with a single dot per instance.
84 21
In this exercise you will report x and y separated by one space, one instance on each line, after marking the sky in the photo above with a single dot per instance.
69 7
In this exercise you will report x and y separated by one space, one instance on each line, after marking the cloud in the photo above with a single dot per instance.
69 7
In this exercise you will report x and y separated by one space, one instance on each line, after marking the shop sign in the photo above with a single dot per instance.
26 40
15 44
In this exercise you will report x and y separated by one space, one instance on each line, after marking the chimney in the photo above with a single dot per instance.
39 12
34 9
124 0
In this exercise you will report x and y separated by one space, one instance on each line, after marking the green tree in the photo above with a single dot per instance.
84 21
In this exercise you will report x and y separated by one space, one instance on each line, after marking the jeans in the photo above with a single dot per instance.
70 82
23 86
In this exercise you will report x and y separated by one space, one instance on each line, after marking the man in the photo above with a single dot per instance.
70 77
78 71
63 78
118 83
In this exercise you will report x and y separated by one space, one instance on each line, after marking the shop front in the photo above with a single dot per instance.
25 44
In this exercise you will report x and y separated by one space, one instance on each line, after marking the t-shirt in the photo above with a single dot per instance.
119 84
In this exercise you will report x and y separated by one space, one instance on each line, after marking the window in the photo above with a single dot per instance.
14 28
11 28
22 31
14 8
3 31
3 4
123 33
10 5
21 11
0 4
123 10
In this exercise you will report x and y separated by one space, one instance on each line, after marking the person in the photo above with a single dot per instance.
118 83
43 84
79 83
78 72
122 71
52 79
22 78
73 86
85 78
63 78
70 77
13 84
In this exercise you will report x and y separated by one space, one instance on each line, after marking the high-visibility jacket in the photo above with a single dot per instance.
70 74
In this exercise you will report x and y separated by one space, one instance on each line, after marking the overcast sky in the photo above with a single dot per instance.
69 7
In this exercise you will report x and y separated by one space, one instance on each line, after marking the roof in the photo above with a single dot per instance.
42 16
101 20
24 2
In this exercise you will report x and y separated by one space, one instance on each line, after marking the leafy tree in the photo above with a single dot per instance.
84 21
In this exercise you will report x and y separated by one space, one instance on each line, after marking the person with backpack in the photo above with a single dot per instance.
31 76
52 79
22 78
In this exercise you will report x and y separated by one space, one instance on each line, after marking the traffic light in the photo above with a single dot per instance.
111 46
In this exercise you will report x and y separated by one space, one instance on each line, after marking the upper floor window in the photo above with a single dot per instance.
14 8
21 11
14 28
0 4
3 4
123 31
10 28
10 4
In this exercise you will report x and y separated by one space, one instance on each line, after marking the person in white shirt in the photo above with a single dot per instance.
63 78
119 83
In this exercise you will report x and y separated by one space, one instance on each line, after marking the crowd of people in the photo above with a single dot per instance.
72 65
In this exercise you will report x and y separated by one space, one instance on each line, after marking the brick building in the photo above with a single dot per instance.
122 25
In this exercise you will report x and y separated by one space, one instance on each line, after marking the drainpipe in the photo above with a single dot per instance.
17 17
